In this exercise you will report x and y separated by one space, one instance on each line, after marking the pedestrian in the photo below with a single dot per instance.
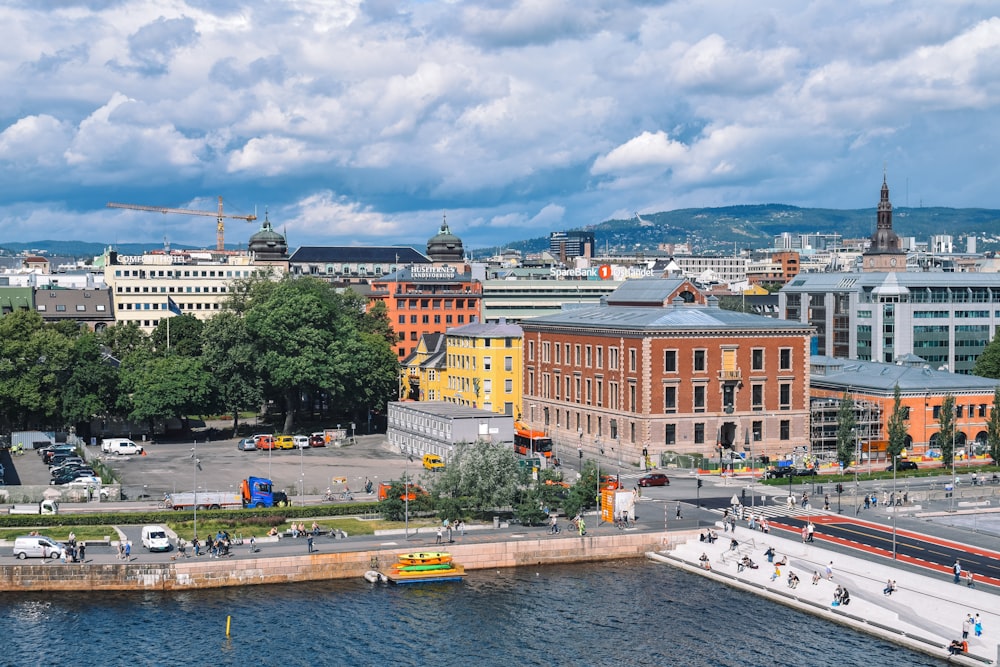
461 528
128 550
309 543
581 526
253 544
439 535
868 501
967 625
978 625
83 551
196 545
815 578
969 579
450 540
957 570
810 530
829 570
826 502
765 526
679 510
805 534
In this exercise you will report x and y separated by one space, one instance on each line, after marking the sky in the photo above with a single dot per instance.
364 122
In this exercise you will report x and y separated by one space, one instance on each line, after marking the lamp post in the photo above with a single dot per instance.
953 477
196 466
857 464
892 507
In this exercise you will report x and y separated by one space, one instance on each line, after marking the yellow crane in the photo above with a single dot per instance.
220 228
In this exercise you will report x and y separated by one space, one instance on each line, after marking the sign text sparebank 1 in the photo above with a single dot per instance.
603 272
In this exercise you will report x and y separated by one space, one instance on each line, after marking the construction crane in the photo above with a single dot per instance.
220 228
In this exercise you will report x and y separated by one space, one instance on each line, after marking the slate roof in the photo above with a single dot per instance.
354 254
653 291
487 330
687 317
881 378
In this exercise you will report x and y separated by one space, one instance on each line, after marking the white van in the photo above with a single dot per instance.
36 546
154 538
120 446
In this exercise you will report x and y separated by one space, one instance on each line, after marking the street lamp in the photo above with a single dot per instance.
857 464
892 507
953 478
195 468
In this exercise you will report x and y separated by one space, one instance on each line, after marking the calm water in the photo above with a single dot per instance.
628 613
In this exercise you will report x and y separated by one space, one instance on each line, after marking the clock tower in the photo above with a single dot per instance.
884 254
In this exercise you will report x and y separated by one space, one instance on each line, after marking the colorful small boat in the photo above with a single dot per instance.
453 573
425 558
402 567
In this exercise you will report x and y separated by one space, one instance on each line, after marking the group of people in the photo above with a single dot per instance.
841 597
890 587
125 550
711 536
448 526
74 553
808 531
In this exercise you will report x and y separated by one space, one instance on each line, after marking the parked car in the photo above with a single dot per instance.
776 473
154 538
58 462
301 441
317 440
265 441
37 546
48 452
284 442
903 465
654 479
72 477
246 445
805 472
433 462
77 470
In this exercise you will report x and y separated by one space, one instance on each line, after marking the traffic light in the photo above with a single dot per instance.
840 488
579 451
699 483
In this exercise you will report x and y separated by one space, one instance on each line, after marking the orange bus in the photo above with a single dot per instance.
531 443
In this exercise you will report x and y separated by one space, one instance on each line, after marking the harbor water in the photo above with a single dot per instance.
616 613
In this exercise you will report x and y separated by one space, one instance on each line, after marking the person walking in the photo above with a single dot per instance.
829 571
83 551
439 535
253 544
309 543
967 627
810 530
957 570
581 526
977 624
128 550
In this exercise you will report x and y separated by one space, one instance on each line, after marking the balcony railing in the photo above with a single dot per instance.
730 376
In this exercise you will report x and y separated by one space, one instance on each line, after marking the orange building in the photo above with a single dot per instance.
922 391
423 299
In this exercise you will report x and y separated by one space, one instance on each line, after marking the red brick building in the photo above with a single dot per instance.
660 368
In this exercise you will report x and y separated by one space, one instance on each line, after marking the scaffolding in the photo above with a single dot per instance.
824 425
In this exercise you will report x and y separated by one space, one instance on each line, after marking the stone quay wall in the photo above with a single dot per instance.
194 573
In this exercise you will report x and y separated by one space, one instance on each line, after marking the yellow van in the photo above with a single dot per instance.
433 462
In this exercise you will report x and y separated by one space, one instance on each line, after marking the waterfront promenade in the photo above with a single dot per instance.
925 613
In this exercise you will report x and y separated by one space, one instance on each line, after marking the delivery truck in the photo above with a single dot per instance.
43 507
254 492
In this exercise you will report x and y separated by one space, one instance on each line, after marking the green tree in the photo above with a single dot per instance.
946 429
124 340
485 475
296 328
993 427
35 360
897 425
181 334
165 387
92 387
988 363
228 356
847 435
369 373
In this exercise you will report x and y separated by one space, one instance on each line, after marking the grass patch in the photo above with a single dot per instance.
246 528
61 533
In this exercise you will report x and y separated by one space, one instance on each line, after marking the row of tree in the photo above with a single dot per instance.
275 341
848 434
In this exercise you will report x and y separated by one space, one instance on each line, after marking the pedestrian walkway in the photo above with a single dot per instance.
771 510
925 612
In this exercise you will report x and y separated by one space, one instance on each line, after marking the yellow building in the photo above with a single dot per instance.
422 373
484 367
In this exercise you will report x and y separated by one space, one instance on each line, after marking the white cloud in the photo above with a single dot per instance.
649 149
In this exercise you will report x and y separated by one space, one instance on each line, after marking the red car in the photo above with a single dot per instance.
317 440
654 479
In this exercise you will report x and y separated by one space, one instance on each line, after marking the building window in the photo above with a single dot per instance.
758 431
670 434
600 392
576 382
670 399
757 359
785 359
600 356
546 349
508 364
757 397
576 355
631 360
785 396
670 361
590 391
508 385
785 429
588 356
613 358
631 396
558 353
699 361
487 363
699 398
699 433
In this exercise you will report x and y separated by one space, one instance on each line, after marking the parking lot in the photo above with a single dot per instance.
218 465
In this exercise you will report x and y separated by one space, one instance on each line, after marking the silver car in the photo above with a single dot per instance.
246 445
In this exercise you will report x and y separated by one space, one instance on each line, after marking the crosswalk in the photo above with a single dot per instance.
771 510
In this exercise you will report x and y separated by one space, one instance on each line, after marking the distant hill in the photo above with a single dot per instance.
719 230
81 249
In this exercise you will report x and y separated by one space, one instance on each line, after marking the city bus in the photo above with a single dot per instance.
530 443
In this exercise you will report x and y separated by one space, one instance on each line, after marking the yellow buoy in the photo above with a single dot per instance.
229 619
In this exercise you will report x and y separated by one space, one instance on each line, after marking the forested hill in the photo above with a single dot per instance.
711 230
